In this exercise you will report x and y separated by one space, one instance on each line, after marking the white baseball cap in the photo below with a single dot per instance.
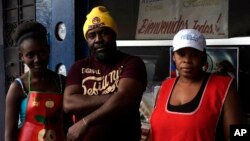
189 38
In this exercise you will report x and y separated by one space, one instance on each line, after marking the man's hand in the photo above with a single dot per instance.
77 131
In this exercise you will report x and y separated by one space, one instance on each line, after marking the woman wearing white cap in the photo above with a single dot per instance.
190 106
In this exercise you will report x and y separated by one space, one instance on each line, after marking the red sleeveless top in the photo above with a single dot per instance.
199 125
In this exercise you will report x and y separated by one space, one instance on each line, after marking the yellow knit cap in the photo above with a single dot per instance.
99 17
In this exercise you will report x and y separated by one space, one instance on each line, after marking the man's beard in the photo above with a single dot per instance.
106 56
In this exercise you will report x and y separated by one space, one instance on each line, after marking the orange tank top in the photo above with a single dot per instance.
43 121
199 125
44 116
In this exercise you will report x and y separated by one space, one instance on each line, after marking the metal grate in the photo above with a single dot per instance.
15 12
